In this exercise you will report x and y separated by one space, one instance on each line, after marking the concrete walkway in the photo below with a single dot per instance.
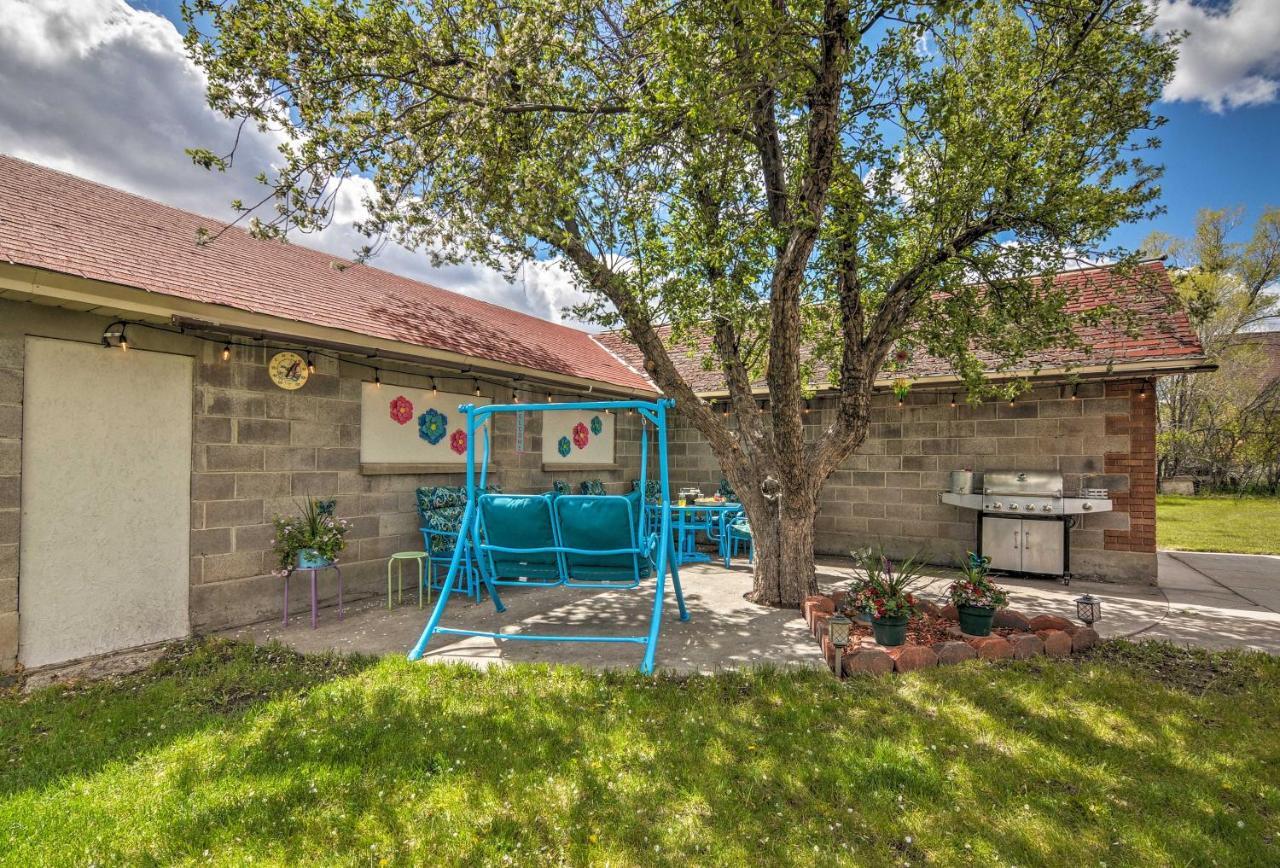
1210 601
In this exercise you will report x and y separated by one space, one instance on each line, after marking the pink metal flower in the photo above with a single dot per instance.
458 441
581 436
401 409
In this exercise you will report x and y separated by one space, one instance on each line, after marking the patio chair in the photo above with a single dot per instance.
440 509
737 531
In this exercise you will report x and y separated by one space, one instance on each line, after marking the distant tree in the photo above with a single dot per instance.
840 174
1221 424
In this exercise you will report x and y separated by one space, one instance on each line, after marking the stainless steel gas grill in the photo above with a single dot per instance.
1025 520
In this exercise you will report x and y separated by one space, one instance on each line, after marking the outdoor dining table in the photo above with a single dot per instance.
706 516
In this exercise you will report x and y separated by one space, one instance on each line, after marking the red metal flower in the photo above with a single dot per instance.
401 409
458 441
581 436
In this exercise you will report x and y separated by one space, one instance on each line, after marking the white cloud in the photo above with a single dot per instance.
105 91
1230 57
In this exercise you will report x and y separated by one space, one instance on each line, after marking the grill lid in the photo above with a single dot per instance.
1030 483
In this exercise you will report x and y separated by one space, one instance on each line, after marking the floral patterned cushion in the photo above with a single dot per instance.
440 507
560 487
652 490
726 490
593 487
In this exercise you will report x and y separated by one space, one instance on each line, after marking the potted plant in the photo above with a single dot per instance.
976 597
309 540
883 594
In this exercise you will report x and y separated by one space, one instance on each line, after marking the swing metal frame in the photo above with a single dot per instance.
657 547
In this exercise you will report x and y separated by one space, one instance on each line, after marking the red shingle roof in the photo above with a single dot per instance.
1163 332
66 224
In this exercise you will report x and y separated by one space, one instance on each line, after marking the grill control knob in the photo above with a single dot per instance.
1086 506
1046 508
997 506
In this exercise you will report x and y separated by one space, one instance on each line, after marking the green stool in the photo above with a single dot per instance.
398 559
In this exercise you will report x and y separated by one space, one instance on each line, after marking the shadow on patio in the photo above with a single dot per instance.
726 631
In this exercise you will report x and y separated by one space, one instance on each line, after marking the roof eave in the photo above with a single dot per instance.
1113 371
33 283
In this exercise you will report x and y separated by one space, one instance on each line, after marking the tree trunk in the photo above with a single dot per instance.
783 534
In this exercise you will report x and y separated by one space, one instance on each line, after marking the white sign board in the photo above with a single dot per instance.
577 437
400 425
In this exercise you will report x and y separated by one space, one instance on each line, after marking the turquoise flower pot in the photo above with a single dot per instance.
310 559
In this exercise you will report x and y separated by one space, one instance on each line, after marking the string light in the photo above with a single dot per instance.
1013 400
1142 392
1075 393
112 338
953 400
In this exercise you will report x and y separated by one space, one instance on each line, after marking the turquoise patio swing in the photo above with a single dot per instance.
550 540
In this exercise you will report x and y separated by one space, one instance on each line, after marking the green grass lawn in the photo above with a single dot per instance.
1136 755
1218 523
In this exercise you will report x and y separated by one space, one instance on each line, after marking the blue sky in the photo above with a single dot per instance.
1214 161
104 90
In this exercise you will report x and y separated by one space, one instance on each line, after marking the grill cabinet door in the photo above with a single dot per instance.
1042 547
1002 542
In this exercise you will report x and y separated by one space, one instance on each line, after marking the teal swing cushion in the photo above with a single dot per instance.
601 523
520 521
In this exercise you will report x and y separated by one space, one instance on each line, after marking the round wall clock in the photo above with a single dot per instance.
288 370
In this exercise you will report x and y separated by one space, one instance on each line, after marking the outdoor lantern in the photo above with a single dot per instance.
838 630
1088 609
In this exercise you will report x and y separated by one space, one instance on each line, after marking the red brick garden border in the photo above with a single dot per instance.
1051 635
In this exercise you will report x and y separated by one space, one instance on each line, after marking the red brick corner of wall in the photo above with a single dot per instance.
1138 463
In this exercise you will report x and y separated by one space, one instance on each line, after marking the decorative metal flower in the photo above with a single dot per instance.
432 426
564 447
580 436
458 441
401 409
597 425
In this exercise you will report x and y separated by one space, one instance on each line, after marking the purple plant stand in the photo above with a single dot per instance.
313 571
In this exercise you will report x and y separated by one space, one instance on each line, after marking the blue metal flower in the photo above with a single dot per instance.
597 425
432 426
564 447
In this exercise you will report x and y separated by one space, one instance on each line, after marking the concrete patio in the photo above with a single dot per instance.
1209 601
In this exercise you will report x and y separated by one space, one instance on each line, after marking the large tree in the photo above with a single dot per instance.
804 189
1222 425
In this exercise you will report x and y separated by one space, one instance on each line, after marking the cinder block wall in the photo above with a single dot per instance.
887 492
258 451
